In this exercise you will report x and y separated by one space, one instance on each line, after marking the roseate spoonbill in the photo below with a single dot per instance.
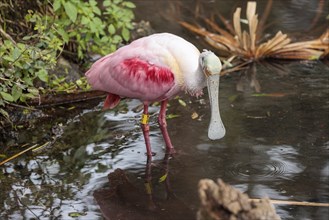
157 68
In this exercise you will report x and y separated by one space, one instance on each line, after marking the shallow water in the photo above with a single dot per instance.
276 146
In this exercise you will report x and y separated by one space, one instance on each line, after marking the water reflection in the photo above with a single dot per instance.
127 198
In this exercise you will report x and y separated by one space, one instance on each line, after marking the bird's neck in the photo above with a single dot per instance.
195 82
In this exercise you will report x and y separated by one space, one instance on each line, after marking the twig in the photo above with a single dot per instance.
4 34
65 98
21 106
25 205
17 155
288 202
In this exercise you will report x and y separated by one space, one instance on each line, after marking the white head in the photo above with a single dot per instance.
210 63
211 67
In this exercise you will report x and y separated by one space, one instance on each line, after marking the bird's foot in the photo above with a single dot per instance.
170 150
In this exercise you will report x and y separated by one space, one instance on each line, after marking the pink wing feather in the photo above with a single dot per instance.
131 77
142 69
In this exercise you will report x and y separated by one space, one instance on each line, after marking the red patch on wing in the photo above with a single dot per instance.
140 68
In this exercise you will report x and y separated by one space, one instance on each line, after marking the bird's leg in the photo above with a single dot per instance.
163 126
146 130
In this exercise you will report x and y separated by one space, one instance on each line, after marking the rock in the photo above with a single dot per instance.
220 201
67 69
141 29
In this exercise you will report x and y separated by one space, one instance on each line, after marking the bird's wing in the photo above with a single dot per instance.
132 77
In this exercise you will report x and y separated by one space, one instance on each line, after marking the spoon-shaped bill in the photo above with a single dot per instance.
216 128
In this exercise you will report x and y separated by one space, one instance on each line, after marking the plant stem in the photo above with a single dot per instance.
4 34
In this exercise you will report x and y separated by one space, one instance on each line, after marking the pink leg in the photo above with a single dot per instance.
146 130
163 126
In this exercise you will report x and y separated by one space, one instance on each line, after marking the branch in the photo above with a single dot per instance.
5 35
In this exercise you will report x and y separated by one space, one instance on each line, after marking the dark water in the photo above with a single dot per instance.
277 142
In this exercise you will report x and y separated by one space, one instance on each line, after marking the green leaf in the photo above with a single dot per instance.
129 5
26 95
16 53
21 46
106 3
111 29
97 11
125 34
8 58
56 5
71 11
28 80
16 92
78 82
43 75
116 2
116 39
63 34
33 91
7 96
4 113
85 20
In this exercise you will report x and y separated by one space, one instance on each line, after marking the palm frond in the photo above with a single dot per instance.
245 43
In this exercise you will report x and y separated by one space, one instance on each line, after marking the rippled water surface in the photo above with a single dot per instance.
276 145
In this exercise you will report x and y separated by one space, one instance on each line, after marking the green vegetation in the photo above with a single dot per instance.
34 35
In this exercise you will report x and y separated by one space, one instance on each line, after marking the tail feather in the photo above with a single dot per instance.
111 101
93 74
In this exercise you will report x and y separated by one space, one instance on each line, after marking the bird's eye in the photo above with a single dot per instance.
202 58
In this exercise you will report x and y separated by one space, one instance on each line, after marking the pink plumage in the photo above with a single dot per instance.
149 69
153 68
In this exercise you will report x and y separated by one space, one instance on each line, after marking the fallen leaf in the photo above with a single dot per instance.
163 178
269 94
171 116
194 115
181 102
77 214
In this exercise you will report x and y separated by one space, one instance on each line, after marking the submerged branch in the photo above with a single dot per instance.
296 203
18 154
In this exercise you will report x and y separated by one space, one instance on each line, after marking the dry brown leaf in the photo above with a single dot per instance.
244 44
251 10
237 25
